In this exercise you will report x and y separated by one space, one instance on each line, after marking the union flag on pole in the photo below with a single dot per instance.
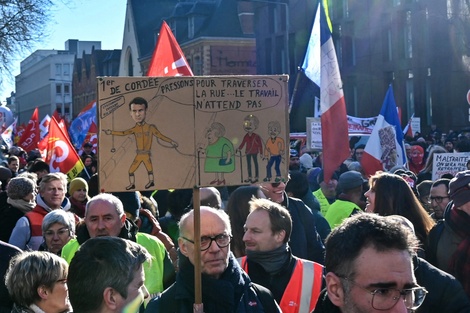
60 154
321 66
30 138
168 59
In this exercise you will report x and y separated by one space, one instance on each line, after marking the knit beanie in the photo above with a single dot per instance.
130 201
76 184
19 187
5 173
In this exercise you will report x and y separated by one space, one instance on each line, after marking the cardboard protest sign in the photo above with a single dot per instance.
449 163
181 132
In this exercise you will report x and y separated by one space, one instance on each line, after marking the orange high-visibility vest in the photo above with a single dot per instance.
304 287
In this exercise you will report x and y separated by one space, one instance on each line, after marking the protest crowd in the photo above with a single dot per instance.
396 240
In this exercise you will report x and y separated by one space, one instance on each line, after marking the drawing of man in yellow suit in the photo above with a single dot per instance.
143 133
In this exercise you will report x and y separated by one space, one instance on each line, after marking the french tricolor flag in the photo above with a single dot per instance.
385 149
321 66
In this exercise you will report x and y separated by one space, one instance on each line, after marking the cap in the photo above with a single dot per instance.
130 201
293 153
350 180
312 174
321 176
306 161
5 173
19 187
459 188
76 184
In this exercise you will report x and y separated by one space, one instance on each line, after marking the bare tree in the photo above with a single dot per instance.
22 24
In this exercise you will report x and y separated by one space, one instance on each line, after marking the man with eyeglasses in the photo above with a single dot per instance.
225 287
449 240
369 268
439 197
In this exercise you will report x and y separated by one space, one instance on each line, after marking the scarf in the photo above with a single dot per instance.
459 222
231 292
78 207
271 261
22 205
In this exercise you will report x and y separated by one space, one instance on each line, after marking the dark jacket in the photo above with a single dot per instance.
9 215
305 242
232 292
323 228
324 305
445 293
7 252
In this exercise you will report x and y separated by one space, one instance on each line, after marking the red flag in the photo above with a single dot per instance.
89 106
30 138
168 59
57 116
19 132
92 137
61 155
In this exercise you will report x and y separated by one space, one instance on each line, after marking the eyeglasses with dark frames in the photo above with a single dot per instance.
222 241
384 299
437 199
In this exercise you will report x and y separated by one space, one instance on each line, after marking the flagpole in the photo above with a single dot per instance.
294 91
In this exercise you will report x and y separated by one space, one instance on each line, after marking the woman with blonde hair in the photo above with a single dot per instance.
37 282
390 194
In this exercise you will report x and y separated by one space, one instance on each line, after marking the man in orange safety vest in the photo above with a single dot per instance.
294 282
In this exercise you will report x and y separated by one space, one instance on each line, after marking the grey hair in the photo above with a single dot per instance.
58 216
52 177
107 197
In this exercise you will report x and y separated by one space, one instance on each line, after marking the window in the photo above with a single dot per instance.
58 69
67 89
191 27
58 89
197 66
408 38
410 101
429 96
66 69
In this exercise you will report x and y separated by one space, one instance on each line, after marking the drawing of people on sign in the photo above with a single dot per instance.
143 134
253 146
273 151
219 154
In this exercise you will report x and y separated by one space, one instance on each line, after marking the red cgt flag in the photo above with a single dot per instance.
168 59
61 155
30 137
92 137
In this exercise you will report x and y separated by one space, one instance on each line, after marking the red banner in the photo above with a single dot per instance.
30 138
60 154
